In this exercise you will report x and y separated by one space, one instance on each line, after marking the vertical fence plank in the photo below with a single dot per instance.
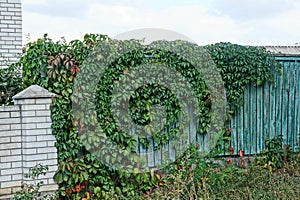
234 134
272 114
247 118
285 101
278 107
297 105
253 114
150 154
266 112
260 120
240 128
291 105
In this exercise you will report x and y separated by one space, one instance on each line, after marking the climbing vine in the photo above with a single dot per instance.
55 66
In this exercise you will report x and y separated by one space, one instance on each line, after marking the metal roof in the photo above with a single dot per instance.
284 50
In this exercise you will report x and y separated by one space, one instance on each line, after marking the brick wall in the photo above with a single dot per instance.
26 140
10 31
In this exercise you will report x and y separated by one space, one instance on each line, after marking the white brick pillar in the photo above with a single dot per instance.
38 143
10 31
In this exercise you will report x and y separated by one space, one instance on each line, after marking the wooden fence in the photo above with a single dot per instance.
268 111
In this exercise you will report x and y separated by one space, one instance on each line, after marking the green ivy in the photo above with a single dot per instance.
55 65
10 83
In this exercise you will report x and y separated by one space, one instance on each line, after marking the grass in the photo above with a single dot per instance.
209 180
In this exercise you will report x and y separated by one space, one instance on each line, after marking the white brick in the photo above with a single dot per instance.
35 144
51 143
17 177
52 168
8 42
27 127
14 35
9 30
16 152
16 18
50 162
10 184
11 171
7 55
28 164
28 113
5 191
9 108
12 133
7 21
17 5
8 17
15 126
10 146
5 178
11 158
16 139
29 151
35 157
8 38
5 152
52 156
14 1
24 101
29 138
7 5
7 13
10 121
6 46
4 127
15 114
14 51
3 26
44 101
35 132
47 150
43 125
13 8
43 113
4 140
16 42
16 164
3 9
4 115
34 119
17 13
5 165
33 107
46 138
3 51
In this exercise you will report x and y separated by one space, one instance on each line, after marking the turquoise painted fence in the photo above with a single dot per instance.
268 111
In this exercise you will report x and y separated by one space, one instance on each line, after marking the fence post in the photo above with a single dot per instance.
37 141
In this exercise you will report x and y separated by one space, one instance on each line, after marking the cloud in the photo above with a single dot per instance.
253 10
66 8
204 24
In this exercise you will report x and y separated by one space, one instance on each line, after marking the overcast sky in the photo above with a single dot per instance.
248 22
